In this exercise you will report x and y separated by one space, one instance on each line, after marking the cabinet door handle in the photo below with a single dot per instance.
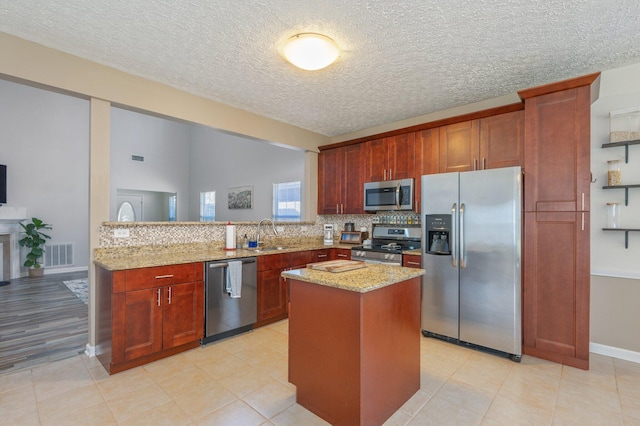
384 174
158 297
169 295
582 201
320 256
413 263
159 277
484 163
342 255
583 221
337 209
390 174
475 164
342 208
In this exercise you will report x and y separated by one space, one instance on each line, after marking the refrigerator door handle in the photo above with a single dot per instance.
463 261
452 242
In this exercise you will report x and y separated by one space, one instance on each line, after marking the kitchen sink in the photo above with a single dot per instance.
274 248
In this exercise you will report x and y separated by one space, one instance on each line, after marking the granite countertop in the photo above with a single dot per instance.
363 280
118 259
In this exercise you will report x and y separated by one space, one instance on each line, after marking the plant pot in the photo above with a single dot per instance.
36 272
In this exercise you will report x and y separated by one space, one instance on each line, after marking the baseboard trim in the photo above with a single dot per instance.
90 350
612 351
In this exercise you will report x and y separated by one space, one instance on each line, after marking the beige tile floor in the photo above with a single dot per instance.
243 381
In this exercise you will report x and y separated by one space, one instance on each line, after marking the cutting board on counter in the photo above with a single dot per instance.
340 265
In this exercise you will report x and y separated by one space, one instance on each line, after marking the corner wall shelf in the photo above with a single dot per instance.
626 190
626 233
626 147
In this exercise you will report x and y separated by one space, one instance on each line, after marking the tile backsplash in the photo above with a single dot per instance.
167 233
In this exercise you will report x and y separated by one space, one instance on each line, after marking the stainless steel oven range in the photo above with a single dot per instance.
387 244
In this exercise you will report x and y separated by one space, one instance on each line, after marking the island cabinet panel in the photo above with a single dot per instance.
557 151
390 158
556 290
358 362
340 179
148 313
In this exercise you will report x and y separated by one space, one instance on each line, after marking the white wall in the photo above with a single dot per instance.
614 299
44 141
165 146
221 161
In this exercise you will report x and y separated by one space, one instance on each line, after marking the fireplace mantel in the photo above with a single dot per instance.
10 218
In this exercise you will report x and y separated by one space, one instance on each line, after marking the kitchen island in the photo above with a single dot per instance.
354 341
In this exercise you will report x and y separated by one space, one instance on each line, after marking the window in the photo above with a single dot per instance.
286 201
208 206
172 208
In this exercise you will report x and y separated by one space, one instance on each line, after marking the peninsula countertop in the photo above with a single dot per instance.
362 280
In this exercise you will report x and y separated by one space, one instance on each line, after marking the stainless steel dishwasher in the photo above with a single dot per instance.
225 316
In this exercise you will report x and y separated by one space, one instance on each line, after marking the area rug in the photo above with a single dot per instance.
79 288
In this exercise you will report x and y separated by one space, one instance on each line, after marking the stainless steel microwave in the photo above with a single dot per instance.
389 195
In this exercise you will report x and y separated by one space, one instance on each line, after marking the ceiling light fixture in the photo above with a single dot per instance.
311 51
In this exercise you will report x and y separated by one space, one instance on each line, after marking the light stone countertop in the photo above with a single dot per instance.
363 280
117 259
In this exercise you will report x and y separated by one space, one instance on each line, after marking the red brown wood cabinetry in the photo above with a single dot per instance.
501 141
556 287
557 151
148 313
412 261
459 146
427 158
556 279
486 143
390 158
340 173
272 288
340 253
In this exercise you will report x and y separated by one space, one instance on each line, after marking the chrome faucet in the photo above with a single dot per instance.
273 227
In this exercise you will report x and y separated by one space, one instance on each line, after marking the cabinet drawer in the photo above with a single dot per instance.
158 276
339 253
412 261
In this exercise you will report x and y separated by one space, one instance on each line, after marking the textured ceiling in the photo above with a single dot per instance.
399 59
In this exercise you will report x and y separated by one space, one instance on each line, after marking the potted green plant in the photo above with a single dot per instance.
34 239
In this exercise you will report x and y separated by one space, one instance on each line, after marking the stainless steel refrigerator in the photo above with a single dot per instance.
472 226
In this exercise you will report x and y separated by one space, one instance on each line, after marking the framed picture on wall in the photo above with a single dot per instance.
240 197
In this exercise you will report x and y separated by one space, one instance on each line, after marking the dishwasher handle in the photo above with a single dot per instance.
225 264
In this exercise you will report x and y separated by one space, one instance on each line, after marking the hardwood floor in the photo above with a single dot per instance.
41 320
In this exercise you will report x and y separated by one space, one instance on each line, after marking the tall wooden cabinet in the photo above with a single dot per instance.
340 173
556 280
146 314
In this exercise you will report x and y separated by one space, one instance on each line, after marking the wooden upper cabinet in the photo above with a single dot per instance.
390 158
340 180
557 151
353 179
502 141
427 159
330 180
459 146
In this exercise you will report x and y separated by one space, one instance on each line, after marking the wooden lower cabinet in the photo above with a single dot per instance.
146 314
412 261
556 287
340 253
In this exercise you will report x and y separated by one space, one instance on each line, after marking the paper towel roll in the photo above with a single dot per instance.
231 237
